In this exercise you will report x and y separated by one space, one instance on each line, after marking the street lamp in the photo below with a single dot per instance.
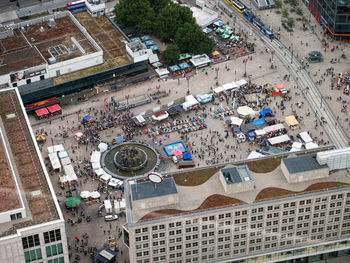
188 85
217 75
245 67
127 100
272 53
291 58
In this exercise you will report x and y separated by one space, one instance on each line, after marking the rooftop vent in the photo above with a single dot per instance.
42 29
52 22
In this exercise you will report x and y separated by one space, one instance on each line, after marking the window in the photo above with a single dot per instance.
56 260
32 255
54 250
28 81
42 77
53 235
30 241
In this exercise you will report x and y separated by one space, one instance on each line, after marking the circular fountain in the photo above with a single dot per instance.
129 159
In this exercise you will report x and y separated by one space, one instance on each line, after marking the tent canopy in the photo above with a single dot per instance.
279 86
291 120
154 47
207 30
149 43
162 72
245 111
87 118
41 112
218 90
241 82
95 156
279 139
204 98
305 137
190 101
102 147
260 121
184 65
174 68
145 38
229 86
311 145
185 56
275 127
236 121
153 58
73 201
297 145
219 23
215 53
160 115
135 39
54 108
266 112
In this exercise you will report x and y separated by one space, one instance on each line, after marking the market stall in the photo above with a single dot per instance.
245 112
236 121
42 113
160 115
292 121
55 162
279 139
190 103
305 137
204 98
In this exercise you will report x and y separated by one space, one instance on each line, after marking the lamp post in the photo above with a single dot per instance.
245 67
127 100
188 85
291 58
217 75
272 53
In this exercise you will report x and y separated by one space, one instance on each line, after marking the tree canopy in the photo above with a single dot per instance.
171 53
138 13
170 18
158 5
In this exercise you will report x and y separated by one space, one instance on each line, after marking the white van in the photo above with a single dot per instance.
111 217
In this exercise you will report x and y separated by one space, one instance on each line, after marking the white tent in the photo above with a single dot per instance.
297 145
55 148
65 161
260 132
70 173
55 162
153 58
236 121
279 139
96 165
254 154
305 137
229 86
108 206
160 117
119 205
102 147
95 156
218 90
162 72
273 127
311 145
245 112
99 172
95 195
105 177
241 82
85 194
190 102
115 182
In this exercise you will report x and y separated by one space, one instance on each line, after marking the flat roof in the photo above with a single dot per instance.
148 189
30 172
34 45
108 38
270 184
304 163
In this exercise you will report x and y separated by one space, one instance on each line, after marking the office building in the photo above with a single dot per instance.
289 207
31 224
333 15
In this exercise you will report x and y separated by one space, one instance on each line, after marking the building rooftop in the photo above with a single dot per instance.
304 163
148 189
207 193
30 173
32 44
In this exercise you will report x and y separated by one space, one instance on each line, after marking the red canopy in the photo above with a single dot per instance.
54 108
279 86
41 112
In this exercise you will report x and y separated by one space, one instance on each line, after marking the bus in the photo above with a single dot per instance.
77 6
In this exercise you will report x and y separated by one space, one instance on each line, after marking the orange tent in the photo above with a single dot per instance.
215 53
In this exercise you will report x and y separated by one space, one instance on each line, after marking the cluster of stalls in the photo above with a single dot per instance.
119 206
148 42
182 67
104 177
59 159
48 111
90 197
234 85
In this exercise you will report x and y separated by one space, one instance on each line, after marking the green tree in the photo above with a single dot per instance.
293 3
278 4
285 12
304 20
190 38
299 11
171 54
290 22
158 5
138 13
170 18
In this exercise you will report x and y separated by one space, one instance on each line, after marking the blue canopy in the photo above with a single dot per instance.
87 118
145 38
251 134
347 79
207 30
119 139
219 23
259 122
266 112
184 65
174 68
187 156
154 48
236 129
135 39
149 42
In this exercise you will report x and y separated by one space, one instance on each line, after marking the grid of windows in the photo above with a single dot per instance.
54 250
52 236
56 260
30 241
32 255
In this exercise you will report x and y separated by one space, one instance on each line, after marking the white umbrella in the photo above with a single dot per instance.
95 195
103 147
85 194
245 111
